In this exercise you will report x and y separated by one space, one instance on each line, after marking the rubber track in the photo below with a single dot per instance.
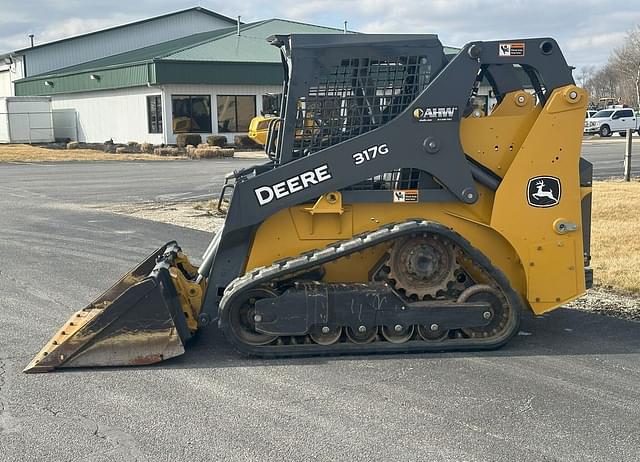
287 268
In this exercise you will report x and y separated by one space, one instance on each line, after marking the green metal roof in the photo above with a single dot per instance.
250 45
217 57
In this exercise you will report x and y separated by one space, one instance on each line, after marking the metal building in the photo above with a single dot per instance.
193 71
207 82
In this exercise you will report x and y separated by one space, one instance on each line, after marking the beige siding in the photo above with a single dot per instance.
120 115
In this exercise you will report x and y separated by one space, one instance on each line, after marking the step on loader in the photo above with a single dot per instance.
393 213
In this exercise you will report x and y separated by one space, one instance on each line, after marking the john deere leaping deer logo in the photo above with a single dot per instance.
543 191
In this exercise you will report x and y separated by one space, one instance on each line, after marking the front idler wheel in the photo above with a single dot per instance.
243 318
499 312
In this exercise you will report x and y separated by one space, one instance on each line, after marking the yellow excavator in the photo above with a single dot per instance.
403 221
260 126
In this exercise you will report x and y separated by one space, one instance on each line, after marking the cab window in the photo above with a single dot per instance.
603 114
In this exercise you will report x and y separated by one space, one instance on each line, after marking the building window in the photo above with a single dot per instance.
235 113
271 103
191 113
154 113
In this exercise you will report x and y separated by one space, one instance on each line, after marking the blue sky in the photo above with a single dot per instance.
587 30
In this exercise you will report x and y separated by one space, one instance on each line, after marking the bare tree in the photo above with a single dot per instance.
586 72
625 62
603 83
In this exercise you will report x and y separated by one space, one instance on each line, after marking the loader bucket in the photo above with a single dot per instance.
139 320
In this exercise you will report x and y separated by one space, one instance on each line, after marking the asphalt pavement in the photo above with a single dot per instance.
607 156
566 388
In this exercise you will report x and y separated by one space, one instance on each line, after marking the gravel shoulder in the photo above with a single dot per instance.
603 300
200 215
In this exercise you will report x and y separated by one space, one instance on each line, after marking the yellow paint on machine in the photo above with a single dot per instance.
539 249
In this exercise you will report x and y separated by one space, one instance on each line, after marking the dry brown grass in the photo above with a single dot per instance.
615 235
28 153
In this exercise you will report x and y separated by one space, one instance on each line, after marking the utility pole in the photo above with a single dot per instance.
627 155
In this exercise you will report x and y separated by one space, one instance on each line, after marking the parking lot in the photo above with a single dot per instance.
566 388
607 156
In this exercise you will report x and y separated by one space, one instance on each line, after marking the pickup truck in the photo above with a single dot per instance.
608 121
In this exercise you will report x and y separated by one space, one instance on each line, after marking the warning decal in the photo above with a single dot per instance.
511 49
405 195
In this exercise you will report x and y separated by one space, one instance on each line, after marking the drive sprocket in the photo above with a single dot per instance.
422 266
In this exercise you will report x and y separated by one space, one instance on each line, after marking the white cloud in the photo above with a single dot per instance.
587 30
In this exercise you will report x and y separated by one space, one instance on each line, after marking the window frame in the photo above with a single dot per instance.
191 96
255 111
158 113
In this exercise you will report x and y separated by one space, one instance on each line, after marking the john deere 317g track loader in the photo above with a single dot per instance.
392 216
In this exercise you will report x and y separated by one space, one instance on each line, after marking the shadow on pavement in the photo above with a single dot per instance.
562 332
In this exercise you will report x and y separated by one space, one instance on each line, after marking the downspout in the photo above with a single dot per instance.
162 101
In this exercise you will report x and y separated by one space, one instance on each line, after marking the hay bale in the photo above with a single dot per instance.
167 151
73 145
217 140
191 151
184 139
121 150
244 142
203 146
209 152
146 147
228 152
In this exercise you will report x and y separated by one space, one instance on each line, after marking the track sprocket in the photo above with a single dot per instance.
422 266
